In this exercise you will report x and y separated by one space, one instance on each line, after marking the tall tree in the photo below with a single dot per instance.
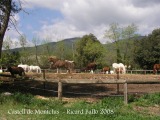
7 10
36 42
60 49
147 51
24 52
128 33
7 44
46 46
88 49
114 33
23 41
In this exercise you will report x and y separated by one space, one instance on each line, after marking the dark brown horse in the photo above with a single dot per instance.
90 67
16 70
156 68
106 70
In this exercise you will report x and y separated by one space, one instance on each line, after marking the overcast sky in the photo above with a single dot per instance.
59 19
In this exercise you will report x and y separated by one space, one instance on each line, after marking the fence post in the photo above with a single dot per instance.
44 78
117 83
60 91
125 94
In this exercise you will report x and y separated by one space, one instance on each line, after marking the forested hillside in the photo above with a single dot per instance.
66 48
139 52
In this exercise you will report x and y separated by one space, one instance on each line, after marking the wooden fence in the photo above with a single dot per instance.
100 81
98 71
94 81
139 71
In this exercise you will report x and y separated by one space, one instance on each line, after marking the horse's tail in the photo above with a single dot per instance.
155 69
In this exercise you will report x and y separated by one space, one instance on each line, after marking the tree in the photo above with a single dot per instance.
114 33
36 42
9 57
60 49
147 51
24 52
7 10
7 44
23 41
47 48
128 33
88 49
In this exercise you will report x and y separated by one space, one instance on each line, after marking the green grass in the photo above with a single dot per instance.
25 106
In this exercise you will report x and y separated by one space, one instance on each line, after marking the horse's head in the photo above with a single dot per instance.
53 59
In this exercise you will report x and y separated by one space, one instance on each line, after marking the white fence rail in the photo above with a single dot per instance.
139 71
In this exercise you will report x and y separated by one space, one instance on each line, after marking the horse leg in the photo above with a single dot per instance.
119 70
69 71
20 73
57 70
154 71
91 71
23 73
12 74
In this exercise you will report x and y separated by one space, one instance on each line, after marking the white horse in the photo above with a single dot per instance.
119 66
25 67
35 68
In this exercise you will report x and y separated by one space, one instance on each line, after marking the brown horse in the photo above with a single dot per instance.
156 68
16 70
57 63
106 69
52 60
90 67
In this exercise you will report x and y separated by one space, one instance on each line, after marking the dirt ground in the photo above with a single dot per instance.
90 92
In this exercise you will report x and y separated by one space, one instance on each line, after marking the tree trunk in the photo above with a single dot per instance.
4 22
119 58
1 42
37 55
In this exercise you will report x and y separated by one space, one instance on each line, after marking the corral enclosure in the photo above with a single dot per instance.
48 83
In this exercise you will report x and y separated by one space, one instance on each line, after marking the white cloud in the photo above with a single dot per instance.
59 31
13 33
93 16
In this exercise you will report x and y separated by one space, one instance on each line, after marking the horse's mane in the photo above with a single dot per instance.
53 59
